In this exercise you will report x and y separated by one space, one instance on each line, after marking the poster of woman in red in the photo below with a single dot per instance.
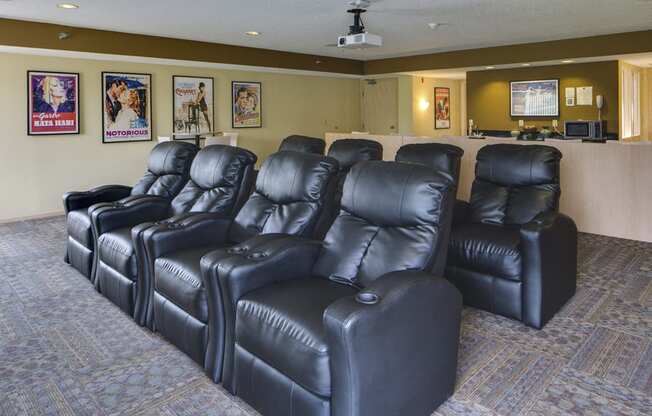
53 103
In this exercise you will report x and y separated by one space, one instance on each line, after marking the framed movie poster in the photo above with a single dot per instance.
127 107
52 103
246 105
192 104
534 98
442 108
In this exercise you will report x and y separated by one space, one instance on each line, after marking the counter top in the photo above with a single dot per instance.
606 188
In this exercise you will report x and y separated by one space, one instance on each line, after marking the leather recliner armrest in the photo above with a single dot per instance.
549 248
397 353
461 212
127 212
83 199
155 239
229 274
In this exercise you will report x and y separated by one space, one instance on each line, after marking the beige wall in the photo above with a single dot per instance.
646 105
423 121
379 105
36 170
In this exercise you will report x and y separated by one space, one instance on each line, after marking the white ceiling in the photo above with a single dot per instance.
308 25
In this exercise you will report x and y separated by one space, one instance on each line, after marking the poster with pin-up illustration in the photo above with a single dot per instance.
53 103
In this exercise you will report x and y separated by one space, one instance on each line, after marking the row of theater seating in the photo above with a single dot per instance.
314 286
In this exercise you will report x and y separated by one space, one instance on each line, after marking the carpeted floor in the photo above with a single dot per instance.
65 350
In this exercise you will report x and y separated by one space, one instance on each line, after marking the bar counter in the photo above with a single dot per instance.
606 187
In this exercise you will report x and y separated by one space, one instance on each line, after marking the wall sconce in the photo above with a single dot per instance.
424 104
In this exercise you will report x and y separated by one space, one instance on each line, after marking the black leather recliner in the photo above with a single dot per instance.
167 171
303 144
347 152
511 251
353 325
444 158
291 190
220 181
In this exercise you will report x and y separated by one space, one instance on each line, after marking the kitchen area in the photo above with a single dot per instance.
597 114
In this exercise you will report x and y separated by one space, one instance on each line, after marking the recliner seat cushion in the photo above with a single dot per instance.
116 250
489 249
178 279
282 325
79 226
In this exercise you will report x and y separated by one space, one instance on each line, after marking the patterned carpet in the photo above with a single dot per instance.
65 350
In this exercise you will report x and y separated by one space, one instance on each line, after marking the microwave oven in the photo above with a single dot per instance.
584 129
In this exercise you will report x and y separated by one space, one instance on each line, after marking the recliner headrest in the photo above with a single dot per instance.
444 158
291 176
348 152
303 144
220 165
395 194
170 158
518 165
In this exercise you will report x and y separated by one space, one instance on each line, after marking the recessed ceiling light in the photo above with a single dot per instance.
67 6
567 61
252 33
435 25
490 67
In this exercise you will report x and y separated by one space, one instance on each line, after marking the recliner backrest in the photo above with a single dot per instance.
390 220
515 183
168 169
444 158
347 152
303 144
217 178
290 193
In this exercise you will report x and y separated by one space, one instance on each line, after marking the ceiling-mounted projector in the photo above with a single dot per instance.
360 40
358 37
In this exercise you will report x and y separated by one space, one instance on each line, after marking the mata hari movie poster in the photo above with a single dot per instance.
127 114
193 104
246 100
53 103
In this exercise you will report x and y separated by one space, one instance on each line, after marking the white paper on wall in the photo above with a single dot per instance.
584 95
570 96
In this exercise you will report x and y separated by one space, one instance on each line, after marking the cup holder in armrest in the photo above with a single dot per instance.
257 255
367 298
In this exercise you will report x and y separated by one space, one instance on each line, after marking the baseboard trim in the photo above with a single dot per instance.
32 217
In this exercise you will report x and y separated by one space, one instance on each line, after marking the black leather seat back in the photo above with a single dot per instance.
290 193
167 169
348 152
515 183
390 220
303 144
444 158
218 178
